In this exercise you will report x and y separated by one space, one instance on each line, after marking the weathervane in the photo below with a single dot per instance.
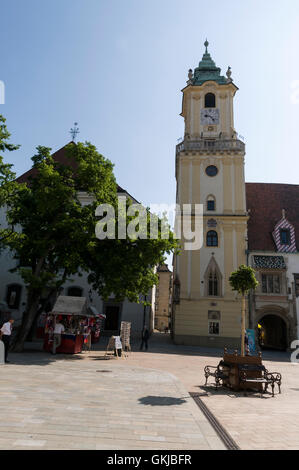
74 131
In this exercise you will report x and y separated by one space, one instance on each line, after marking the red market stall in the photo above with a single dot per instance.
79 321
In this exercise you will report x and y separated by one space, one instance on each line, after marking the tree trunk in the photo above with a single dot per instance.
27 321
243 327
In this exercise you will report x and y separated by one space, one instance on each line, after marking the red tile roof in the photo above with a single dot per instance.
266 202
61 157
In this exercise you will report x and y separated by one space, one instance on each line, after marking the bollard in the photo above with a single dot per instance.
2 353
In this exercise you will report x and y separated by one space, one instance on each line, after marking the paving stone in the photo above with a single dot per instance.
68 405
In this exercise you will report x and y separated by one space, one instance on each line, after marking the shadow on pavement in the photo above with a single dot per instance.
161 401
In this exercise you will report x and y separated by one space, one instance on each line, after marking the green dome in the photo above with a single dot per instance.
207 70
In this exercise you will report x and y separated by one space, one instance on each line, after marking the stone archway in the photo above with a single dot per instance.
274 331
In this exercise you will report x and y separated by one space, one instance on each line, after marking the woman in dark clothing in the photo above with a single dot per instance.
144 338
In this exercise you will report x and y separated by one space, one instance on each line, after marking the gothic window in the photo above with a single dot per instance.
210 100
13 295
285 238
75 292
213 284
212 238
213 280
211 203
271 284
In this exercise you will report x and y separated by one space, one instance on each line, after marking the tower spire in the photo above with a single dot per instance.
206 44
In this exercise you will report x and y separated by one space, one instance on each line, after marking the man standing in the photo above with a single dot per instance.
58 330
6 336
144 338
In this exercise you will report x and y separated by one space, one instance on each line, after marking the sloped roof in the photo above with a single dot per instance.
265 201
163 268
269 262
60 156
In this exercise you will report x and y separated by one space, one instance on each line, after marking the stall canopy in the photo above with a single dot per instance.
66 305
70 306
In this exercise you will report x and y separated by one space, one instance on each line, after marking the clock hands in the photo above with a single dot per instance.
209 116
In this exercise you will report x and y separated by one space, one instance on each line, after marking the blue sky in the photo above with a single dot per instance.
117 67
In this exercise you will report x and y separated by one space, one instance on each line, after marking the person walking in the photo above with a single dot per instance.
144 338
6 336
58 330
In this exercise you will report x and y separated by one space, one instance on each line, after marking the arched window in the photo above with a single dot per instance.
213 279
211 203
212 238
13 295
210 100
75 292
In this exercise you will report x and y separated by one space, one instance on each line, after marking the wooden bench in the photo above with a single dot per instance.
257 374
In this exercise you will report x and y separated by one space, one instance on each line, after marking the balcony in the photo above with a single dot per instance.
211 145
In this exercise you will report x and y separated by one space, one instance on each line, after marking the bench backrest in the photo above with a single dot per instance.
251 367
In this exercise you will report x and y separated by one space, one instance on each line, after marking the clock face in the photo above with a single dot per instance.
209 116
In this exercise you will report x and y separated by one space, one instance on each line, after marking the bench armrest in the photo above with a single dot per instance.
207 368
275 376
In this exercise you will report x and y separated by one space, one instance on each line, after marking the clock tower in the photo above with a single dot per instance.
210 171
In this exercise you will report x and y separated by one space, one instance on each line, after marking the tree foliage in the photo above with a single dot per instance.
130 270
56 233
243 279
7 176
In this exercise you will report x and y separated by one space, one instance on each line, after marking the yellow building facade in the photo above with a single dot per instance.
210 171
163 298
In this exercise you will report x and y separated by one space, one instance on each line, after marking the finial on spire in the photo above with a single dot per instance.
75 131
206 45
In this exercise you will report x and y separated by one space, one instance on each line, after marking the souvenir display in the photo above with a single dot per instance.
76 322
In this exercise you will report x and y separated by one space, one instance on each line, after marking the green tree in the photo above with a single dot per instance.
242 281
57 237
55 226
7 176
130 272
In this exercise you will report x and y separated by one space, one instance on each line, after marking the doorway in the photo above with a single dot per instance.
272 333
112 313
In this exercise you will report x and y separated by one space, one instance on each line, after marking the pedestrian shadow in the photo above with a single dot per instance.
161 401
